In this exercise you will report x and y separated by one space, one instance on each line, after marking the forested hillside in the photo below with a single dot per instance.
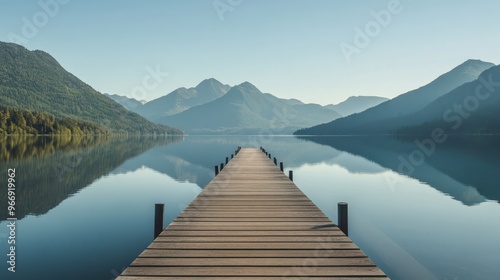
15 121
34 80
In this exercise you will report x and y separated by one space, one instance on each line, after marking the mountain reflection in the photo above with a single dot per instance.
464 167
50 169
193 159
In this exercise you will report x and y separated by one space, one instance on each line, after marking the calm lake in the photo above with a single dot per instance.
85 206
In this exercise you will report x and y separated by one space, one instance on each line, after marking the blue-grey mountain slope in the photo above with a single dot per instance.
246 110
128 103
473 108
371 120
182 99
356 104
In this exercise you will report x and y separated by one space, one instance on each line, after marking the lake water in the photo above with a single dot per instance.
85 206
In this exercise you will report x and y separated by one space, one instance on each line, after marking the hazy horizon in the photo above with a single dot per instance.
312 51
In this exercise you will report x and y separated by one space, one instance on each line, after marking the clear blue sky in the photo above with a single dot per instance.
289 48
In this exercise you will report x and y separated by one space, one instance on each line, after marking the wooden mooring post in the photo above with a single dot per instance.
343 217
159 209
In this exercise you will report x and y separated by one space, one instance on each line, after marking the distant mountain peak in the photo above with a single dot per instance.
212 85
473 67
474 61
129 103
355 97
356 104
209 82
183 98
248 86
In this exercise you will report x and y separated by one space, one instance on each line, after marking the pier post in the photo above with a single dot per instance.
221 166
281 166
290 175
232 156
227 160
275 161
342 216
159 208
216 170
269 155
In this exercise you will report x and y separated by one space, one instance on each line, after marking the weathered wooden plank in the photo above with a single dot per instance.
246 278
179 222
252 203
252 271
253 245
251 219
207 239
301 254
247 227
252 262
250 214
265 192
250 208
305 233
222 199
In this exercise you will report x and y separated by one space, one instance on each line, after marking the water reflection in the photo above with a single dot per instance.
193 159
109 187
464 167
20 147
51 169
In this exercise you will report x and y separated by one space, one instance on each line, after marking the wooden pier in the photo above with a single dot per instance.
251 222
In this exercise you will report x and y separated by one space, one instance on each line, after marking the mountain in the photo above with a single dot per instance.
130 104
246 110
182 99
472 108
35 81
404 104
356 104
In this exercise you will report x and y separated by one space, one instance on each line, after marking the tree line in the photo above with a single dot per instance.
25 122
